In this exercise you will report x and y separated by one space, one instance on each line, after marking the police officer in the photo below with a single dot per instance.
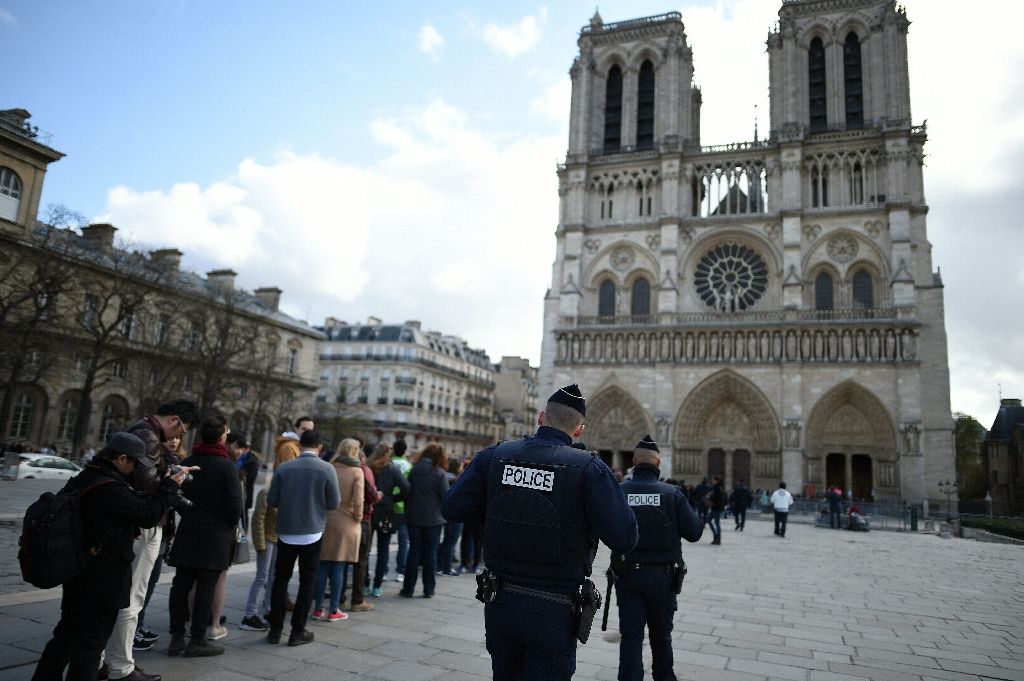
649 577
112 513
543 503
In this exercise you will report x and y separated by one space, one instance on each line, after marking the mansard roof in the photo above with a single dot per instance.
1009 418
409 332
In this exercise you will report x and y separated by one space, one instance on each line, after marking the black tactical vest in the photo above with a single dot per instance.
535 533
654 505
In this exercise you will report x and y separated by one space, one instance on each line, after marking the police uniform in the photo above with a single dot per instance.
644 588
544 504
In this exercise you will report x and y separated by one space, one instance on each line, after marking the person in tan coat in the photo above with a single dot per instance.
342 532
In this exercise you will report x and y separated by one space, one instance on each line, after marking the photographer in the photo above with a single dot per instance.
171 420
112 513
202 545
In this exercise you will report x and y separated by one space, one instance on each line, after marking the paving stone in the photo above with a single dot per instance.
773 670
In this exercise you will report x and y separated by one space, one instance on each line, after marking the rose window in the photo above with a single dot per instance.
730 278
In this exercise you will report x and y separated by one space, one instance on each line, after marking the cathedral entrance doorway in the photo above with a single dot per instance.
851 442
615 423
727 427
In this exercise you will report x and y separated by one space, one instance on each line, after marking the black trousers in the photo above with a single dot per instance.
308 556
363 566
78 640
205 581
741 516
472 547
780 522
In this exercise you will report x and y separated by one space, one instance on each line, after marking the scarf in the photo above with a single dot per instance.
204 449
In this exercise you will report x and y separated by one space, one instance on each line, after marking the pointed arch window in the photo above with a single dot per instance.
823 292
613 110
853 79
645 107
816 86
606 299
863 290
640 301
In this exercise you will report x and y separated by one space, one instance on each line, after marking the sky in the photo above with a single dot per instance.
397 159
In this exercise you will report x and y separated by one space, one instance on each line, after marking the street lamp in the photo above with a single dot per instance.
949 488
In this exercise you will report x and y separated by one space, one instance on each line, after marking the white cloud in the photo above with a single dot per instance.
553 103
514 39
452 226
431 41
7 18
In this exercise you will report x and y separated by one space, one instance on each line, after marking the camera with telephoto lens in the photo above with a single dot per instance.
178 501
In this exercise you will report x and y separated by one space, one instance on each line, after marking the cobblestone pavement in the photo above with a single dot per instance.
817 605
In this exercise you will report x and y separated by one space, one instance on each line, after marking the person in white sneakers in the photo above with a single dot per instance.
781 500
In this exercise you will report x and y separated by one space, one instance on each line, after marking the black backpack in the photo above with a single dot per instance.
52 548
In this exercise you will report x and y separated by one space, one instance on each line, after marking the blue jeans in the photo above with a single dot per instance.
715 523
446 551
333 570
645 601
530 639
263 581
422 551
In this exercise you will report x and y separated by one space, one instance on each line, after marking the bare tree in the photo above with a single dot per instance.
220 345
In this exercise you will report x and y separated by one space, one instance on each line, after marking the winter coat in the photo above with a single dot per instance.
387 479
342 531
286 448
427 486
207 531
264 522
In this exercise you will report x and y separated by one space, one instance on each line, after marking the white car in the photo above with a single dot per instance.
44 466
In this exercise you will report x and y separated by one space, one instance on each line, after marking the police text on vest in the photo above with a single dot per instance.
533 478
644 499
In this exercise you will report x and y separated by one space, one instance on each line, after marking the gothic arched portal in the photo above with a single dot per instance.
851 442
727 414
615 423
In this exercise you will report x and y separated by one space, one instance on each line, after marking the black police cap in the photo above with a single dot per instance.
570 396
647 443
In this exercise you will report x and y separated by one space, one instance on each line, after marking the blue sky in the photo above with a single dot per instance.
397 158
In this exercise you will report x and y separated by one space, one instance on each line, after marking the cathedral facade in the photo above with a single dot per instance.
767 310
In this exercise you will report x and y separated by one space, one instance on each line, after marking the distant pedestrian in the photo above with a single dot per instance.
834 497
303 491
740 500
393 486
427 487
781 500
715 502
340 545
401 460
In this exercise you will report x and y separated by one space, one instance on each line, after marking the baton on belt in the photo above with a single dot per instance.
612 578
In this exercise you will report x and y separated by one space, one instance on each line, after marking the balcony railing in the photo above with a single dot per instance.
746 318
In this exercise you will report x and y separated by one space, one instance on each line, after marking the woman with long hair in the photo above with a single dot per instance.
393 486
428 484
341 532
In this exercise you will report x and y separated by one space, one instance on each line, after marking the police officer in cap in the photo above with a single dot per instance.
649 576
544 503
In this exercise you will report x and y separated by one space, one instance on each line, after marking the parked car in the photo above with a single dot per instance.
45 466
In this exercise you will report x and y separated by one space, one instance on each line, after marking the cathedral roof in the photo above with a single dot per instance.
1009 418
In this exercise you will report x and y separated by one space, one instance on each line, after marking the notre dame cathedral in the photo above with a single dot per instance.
767 310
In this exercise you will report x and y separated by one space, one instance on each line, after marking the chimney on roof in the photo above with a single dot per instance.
333 323
1010 402
222 279
100 235
414 323
16 116
269 297
373 321
167 258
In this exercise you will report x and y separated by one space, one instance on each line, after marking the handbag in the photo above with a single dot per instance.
384 520
242 552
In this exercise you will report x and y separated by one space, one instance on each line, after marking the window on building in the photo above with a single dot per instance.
195 334
128 324
114 416
816 86
66 419
10 194
823 294
853 80
613 110
606 299
863 290
819 187
645 107
91 314
640 301
21 416
119 369
293 360
162 330
186 383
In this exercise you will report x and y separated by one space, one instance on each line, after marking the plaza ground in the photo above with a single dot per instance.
819 604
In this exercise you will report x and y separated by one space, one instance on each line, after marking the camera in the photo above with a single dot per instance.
178 501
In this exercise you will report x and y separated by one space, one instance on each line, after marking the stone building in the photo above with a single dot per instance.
399 381
93 335
766 309
1002 454
515 397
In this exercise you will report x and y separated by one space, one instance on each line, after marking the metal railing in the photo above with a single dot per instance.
632 23
733 318
882 515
